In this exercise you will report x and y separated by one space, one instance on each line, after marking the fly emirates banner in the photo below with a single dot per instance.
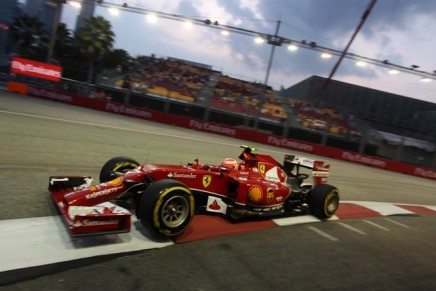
36 69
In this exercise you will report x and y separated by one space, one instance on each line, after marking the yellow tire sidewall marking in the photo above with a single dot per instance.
161 200
328 199
122 165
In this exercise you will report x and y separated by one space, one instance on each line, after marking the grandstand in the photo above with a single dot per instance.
195 82
323 119
198 83
172 78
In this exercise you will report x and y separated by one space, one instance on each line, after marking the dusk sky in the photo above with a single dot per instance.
401 31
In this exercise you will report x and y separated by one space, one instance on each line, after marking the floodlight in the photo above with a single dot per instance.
152 18
259 39
76 4
114 11
292 47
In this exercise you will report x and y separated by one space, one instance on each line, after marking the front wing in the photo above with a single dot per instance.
103 218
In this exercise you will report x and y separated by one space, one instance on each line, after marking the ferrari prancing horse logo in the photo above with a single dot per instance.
262 168
206 180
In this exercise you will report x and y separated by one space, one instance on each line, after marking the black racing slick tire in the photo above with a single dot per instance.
116 167
323 201
166 208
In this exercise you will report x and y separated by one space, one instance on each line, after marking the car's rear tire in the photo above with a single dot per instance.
166 208
323 200
116 167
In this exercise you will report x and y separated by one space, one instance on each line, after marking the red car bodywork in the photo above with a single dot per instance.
259 185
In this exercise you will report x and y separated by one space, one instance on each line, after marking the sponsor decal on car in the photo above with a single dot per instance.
272 175
255 193
215 204
102 192
87 222
182 175
262 168
269 194
267 209
207 179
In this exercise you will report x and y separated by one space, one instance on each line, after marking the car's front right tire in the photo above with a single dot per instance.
166 208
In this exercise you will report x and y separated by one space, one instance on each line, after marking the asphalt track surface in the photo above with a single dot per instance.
40 138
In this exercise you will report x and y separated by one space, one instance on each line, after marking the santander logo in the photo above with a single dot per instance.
214 205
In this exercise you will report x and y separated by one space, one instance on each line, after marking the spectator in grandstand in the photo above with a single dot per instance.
126 82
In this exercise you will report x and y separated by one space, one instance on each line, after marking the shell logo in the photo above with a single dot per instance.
255 193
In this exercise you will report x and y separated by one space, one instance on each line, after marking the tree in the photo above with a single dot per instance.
27 33
95 39
64 41
117 58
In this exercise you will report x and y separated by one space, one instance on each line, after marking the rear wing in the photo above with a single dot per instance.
320 171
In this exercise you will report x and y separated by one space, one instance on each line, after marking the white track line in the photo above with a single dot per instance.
322 233
349 227
376 225
397 223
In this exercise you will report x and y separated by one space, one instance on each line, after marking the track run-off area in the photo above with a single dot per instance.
381 238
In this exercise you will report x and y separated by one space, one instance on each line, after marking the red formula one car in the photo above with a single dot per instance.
165 197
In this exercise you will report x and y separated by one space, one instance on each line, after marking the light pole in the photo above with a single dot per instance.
274 41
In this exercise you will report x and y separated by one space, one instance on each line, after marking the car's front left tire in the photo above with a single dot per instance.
116 167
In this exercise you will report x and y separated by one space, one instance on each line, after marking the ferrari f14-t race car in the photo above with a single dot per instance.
165 197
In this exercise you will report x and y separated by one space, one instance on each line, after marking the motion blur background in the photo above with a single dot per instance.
277 84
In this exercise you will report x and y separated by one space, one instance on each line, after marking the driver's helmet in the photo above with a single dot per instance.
230 164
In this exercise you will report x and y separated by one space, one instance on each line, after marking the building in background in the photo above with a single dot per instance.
384 111
9 9
403 128
44 10
86 11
